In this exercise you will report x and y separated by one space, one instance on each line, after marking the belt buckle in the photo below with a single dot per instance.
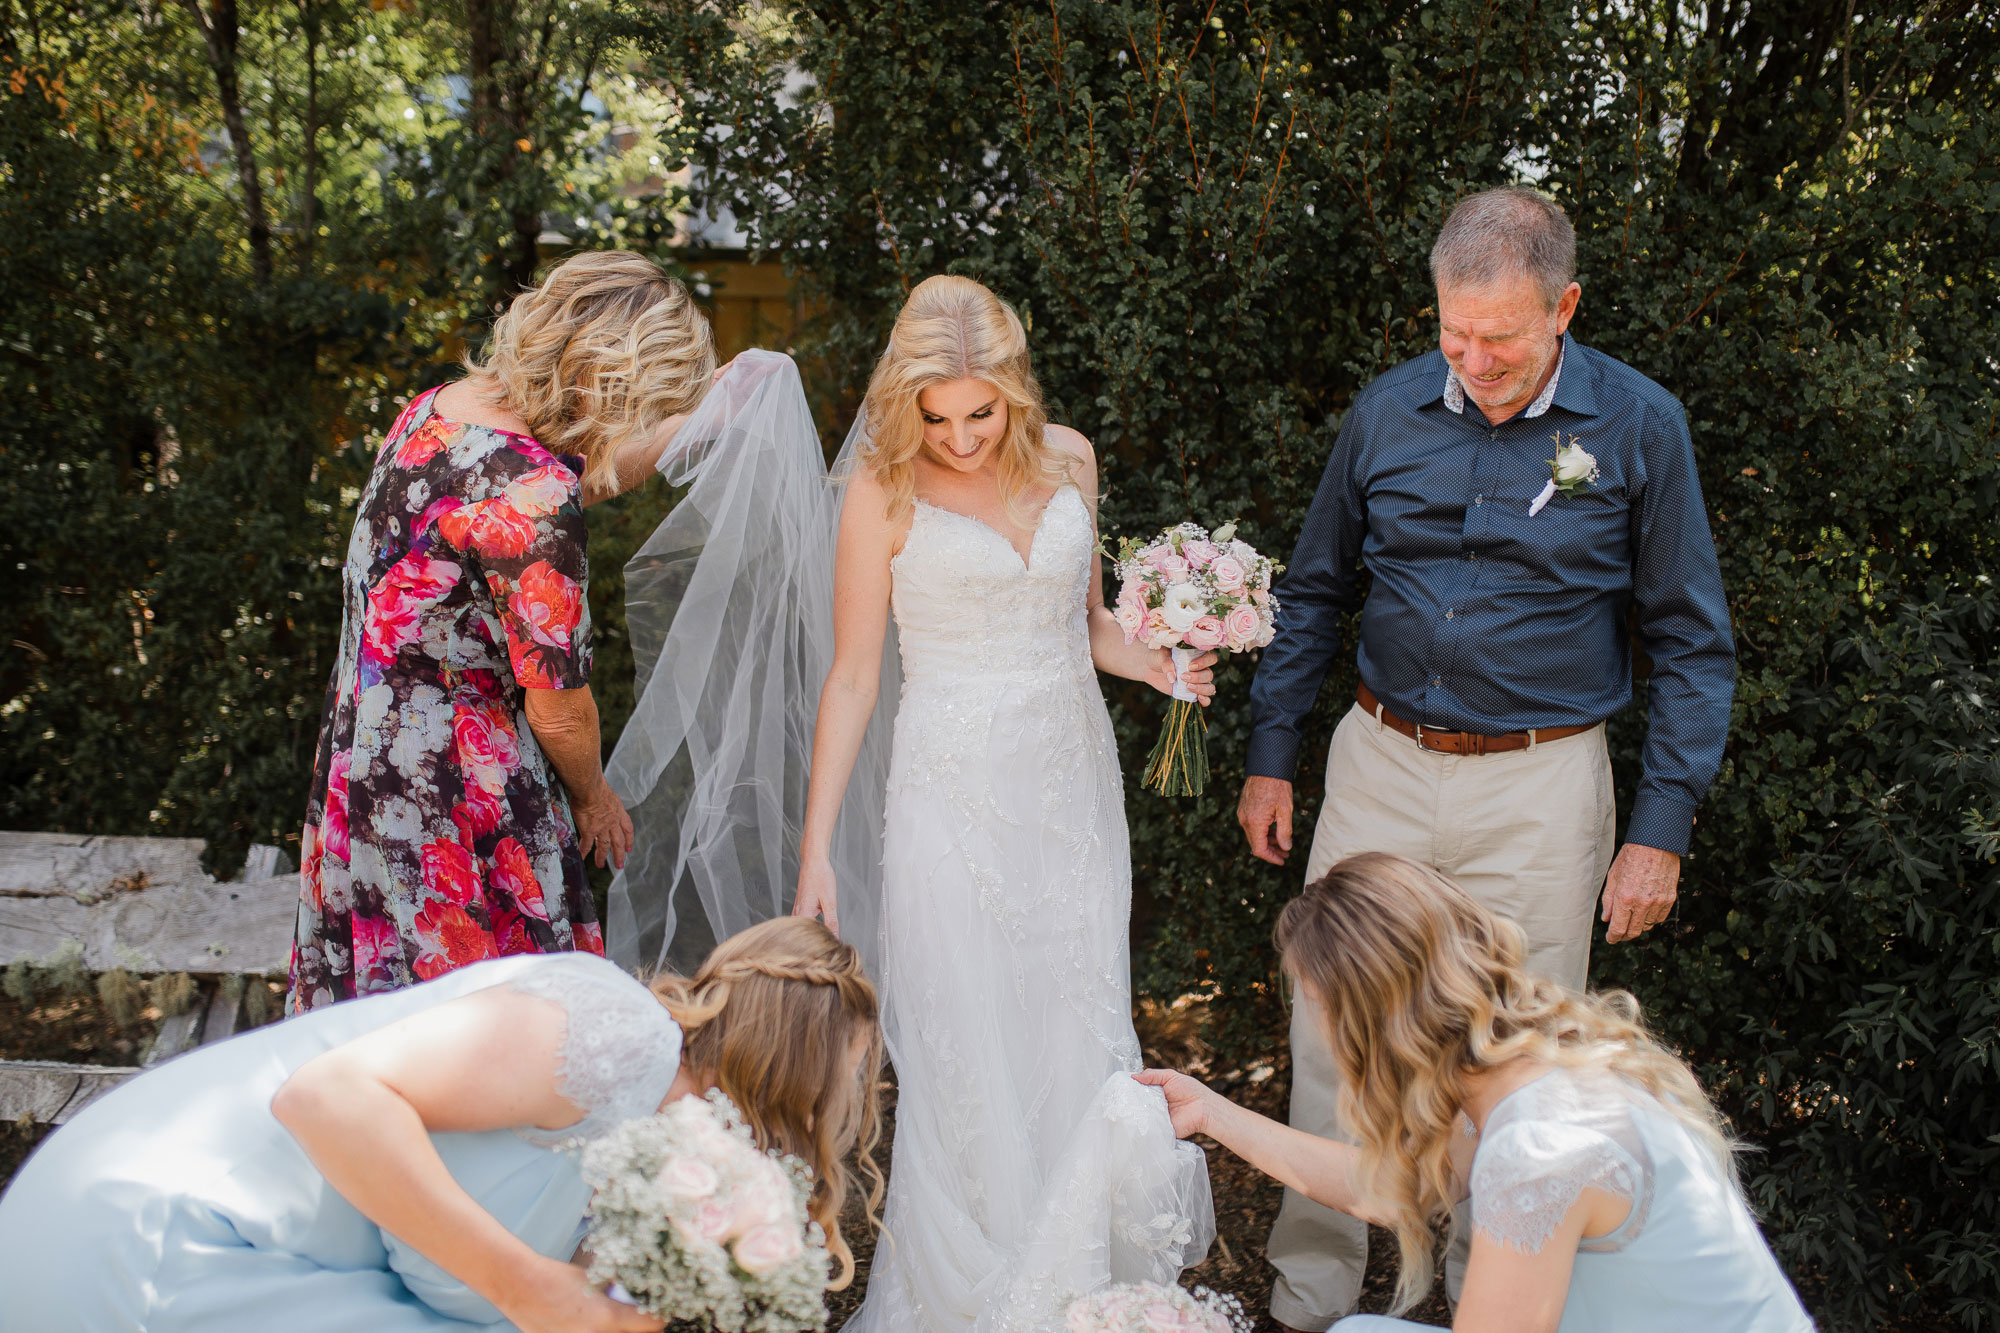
1420 739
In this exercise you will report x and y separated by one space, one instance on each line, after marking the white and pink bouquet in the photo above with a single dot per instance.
693 1221
1149 1307
1192 591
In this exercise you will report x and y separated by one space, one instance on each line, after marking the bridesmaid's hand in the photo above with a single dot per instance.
1200 674
559 1298
1188 1099
817 892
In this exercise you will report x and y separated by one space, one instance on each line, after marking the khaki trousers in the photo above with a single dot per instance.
1528 833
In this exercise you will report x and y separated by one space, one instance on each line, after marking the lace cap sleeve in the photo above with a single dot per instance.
620 1051
1531 1170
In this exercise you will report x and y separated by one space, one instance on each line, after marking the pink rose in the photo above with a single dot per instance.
1173 566
513 872
543 491
688 1178
1205 633
548 604
333 824
1241 626
1227 573
378 948
398 600
1131 619
487 752
1200 552
713 1220
766 1249
1133 594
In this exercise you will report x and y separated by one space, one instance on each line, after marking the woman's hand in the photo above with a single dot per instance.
817 892
602 826
1188 1099
1200 675
559 1298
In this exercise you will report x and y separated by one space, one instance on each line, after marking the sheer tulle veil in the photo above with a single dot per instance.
730 609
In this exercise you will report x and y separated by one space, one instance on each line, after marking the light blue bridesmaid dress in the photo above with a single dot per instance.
1687 1257
178 1202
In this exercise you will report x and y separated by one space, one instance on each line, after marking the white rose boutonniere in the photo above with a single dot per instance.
1571 472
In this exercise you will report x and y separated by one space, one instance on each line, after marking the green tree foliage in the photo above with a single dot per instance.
231 245
1215 219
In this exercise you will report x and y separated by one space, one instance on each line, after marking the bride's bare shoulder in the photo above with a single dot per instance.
1076 453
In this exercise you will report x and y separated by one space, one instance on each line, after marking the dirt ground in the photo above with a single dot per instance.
76 1028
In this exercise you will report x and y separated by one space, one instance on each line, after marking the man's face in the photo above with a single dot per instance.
1502 340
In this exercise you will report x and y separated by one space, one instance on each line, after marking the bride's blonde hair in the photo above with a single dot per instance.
953 328
1420 987
773 1016
605 348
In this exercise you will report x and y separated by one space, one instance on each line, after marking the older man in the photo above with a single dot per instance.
1515 496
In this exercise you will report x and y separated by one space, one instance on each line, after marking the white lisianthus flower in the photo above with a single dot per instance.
1182 607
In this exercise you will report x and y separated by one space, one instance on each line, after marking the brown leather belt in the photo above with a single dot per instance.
1459 742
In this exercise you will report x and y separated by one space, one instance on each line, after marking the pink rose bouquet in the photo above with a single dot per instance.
692 1221
1148 1307
1192 591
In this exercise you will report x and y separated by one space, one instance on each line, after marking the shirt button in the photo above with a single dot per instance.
1437 680
1478 499
1449 613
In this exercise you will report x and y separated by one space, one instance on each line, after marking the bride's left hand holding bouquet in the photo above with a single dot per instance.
695 1223
1192 591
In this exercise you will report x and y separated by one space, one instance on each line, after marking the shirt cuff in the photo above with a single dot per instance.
1660 821
1272 754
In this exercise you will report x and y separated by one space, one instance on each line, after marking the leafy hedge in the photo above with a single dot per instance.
1215 220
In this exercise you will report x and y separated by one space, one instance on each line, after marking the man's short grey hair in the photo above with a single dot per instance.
1503 235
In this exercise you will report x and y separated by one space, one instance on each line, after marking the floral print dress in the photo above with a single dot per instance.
437 833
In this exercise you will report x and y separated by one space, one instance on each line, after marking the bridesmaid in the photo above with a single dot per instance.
389 1165
457 786
1602 1194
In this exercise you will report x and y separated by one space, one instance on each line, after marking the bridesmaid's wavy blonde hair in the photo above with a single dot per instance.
1420 987
953 328
605 349
773 1016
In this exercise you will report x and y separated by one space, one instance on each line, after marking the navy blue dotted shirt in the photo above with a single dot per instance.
1485 618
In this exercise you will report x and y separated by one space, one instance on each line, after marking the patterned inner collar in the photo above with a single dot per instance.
1454 391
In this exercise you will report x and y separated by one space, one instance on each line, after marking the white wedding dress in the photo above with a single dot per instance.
1028 1167
981 856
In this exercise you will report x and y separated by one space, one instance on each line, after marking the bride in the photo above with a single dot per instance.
1024 1169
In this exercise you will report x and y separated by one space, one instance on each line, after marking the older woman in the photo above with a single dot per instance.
457 787
1602 1191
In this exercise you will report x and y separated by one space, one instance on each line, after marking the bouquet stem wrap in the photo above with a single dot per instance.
1178 765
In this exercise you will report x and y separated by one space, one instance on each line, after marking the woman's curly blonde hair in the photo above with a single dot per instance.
1421 986
953 328
773 1016
605 349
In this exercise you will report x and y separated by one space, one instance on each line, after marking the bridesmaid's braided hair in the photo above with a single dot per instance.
772 1017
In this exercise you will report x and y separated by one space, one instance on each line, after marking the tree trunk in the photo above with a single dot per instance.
221 32
309 200
501 114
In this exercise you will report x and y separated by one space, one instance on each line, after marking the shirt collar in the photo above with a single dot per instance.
1454 391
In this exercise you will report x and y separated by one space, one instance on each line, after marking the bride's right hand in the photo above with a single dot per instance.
817 893
560 1298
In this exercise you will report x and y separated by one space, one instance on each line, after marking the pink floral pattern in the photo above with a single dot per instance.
437 834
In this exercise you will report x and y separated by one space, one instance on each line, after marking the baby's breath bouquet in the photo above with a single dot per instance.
1192 591
696 1223
1149 1307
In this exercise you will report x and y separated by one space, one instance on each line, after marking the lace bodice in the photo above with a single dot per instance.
966 605
1545 1143
621 1049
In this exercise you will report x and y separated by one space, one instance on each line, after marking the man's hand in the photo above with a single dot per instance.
1640 891
1266 802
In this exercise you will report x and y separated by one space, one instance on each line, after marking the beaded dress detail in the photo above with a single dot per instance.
1028 1167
